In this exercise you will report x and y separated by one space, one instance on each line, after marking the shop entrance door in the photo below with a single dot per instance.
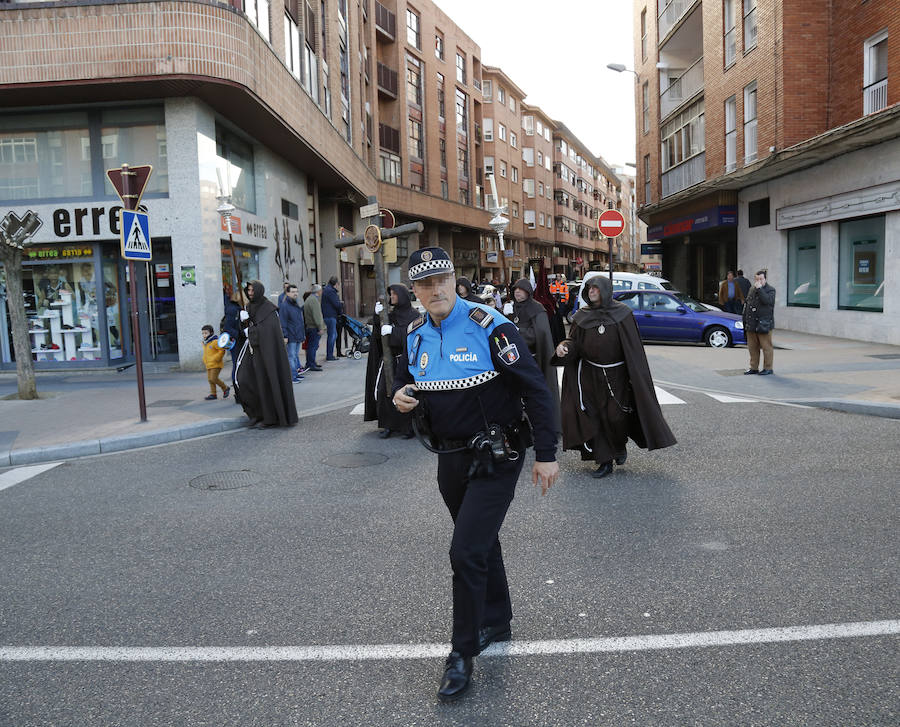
348 289
156 306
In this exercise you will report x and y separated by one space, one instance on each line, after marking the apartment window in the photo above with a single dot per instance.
462 162
463 196
415 146
512 104
439 46
501 132
546 133
758 213
488 129
501 94
644 34
292 46
730 134
647 179
528 187
750 123
389 169
729 30
442 143
749 25
487 91
413 86
513 140
645 105
861 264
258 12
445 189
515 174
540 189
310 59
549 222
503 169
442 107
515 210
344 59
412 29
462 113
875 73
540 219
803 267
528 156
540 127
488 166
547 162
540 159
460 67
528 125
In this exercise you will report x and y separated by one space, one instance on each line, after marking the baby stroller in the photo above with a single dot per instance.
360 334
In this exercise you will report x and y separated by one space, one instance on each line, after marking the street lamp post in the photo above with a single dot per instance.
498 224
226 210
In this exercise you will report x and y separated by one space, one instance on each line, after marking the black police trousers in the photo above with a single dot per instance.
478 507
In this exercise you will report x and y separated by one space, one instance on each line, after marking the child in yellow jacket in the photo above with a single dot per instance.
212 359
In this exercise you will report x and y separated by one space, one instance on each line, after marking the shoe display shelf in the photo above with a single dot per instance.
75 342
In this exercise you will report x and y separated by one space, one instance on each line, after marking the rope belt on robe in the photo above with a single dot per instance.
602 367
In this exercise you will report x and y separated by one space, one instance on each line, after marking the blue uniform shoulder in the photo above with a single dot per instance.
485 316
418 323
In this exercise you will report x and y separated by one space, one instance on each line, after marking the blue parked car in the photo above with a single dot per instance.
667 315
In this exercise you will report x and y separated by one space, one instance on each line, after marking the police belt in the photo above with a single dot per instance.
511 432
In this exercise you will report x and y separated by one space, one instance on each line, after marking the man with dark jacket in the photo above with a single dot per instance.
759 320
332 307
743 284
293 328
315 325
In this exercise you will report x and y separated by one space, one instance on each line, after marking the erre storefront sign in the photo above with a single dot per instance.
87 221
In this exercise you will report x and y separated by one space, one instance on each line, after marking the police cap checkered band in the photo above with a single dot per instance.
429 261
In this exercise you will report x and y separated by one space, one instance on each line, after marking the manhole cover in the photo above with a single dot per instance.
351 460
885 356
225 480
170 402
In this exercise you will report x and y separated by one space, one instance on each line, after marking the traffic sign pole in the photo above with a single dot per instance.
130 200
612 224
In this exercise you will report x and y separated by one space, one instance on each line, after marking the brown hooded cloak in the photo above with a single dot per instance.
607 391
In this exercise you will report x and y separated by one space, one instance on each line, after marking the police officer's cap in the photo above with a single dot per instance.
429 261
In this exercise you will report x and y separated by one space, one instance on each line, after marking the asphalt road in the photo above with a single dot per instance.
763 516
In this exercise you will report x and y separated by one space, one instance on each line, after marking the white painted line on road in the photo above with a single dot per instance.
726 399
358 410
20 474
428 651
664 397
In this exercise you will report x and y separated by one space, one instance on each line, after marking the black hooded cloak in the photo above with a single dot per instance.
607 391
263 377
470 293
533 322
378 403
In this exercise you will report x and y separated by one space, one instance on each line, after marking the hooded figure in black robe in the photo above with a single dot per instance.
533 322
378 404
469 293
607 390
263 377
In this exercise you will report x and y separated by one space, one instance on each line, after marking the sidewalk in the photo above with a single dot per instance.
89 413
85 413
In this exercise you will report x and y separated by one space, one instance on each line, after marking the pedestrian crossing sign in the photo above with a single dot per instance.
135 231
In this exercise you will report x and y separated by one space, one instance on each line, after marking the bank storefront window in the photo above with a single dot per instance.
803 267
248 264
861 264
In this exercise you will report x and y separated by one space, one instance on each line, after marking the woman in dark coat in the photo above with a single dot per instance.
378 403
533 323
607 391
263 375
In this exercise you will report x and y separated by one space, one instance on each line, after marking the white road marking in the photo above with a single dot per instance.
358 410
20 474
726 399
664 397
428 651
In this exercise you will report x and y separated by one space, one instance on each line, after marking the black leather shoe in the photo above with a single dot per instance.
748 372
620 458
487 635
766 372
384 433
603 470
457 677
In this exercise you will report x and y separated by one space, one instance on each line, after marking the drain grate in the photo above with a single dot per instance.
170 402
352 460
225 480
884 356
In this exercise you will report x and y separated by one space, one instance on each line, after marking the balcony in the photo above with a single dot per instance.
685 175
671 14
385 23
875 97
682 89
387 81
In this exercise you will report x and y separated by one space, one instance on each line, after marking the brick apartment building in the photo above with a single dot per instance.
768 136
301 109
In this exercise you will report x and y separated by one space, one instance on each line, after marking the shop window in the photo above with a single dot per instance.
803 267
236 156
861 264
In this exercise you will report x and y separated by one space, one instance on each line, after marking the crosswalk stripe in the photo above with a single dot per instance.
20 474
726 399
664 397
358 410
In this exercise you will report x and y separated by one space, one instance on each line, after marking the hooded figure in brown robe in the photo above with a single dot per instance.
533 323
607 390
263 375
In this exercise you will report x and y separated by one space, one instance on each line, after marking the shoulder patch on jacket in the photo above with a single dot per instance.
482 318
420 321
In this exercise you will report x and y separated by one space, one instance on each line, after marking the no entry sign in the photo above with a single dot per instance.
611 223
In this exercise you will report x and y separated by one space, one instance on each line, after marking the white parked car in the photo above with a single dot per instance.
629 281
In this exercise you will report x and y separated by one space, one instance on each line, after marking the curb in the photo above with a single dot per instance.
850 406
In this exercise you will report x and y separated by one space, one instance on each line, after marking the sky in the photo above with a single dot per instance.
558 58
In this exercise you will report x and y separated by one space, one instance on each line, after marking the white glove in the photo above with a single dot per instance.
386 329
244 316
507 309
378 307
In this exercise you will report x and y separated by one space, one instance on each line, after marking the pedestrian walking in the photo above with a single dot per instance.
731 298
759 321
315 325
231 324
468 369
743 284
293 328
213 356
332 307
607 391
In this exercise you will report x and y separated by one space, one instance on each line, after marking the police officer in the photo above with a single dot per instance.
467 370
